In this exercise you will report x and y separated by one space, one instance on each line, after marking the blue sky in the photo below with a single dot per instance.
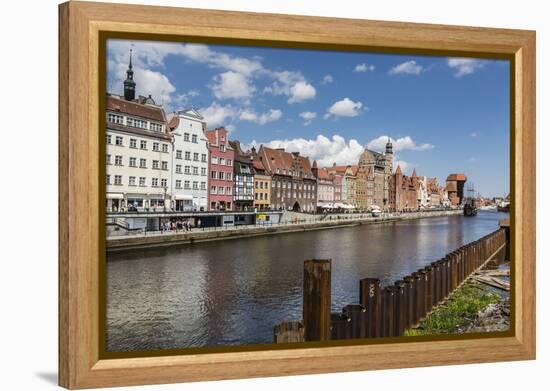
444 114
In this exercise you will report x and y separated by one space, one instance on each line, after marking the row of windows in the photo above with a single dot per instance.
119 141
134 122
193 139
134 181
142 181
261 184
221 175
295 195
132 162
221 161
179 155
293 173
292 185
187 185
188 170
260 196
221 190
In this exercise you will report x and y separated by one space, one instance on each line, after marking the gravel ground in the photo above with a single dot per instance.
495 317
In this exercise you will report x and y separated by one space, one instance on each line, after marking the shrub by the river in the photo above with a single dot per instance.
459 310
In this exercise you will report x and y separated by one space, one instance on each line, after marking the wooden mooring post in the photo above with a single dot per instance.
316 314
370 299
288 332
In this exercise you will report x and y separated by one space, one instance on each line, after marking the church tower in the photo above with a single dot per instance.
129 83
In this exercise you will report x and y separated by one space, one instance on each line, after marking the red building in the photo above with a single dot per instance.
220 170
403 192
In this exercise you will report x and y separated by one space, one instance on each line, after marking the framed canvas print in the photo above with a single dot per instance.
247 195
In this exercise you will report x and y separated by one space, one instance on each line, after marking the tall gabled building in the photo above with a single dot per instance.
243 173
403 194
138 152
373 178
293 185
220 170
190 161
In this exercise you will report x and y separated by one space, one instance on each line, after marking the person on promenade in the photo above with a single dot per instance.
198 223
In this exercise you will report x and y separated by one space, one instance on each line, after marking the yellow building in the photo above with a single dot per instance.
262 185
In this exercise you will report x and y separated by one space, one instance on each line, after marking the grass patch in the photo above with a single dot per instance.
457 311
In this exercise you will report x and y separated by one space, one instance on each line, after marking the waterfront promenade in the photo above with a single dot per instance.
291 222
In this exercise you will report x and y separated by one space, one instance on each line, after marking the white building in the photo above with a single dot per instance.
189 185
138 154
423 193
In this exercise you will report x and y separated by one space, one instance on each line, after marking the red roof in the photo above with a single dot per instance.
456 177
322 173
282 160
146 111
173 123
214 135
257 163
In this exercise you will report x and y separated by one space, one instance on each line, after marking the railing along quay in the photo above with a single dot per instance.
385 311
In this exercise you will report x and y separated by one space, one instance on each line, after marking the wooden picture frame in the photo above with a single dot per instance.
81 244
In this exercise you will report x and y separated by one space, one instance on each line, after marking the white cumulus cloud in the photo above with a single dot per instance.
262 118
327 79
344 108
218 115
291 84
232 85
364 68
326 151
301 91
400 144
464 66
408 67
308 116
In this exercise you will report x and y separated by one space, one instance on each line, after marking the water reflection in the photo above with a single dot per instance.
233 292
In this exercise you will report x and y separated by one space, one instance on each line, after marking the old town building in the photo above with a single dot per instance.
190 161
373 178
220 170
293 186
325 187
348 182
455 188
138 151
262 183
243 185
402 192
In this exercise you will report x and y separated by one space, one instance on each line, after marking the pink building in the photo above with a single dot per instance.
220 170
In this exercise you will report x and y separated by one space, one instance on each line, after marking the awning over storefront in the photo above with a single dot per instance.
183 197
115 196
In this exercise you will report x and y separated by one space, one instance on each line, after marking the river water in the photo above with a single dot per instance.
233 292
